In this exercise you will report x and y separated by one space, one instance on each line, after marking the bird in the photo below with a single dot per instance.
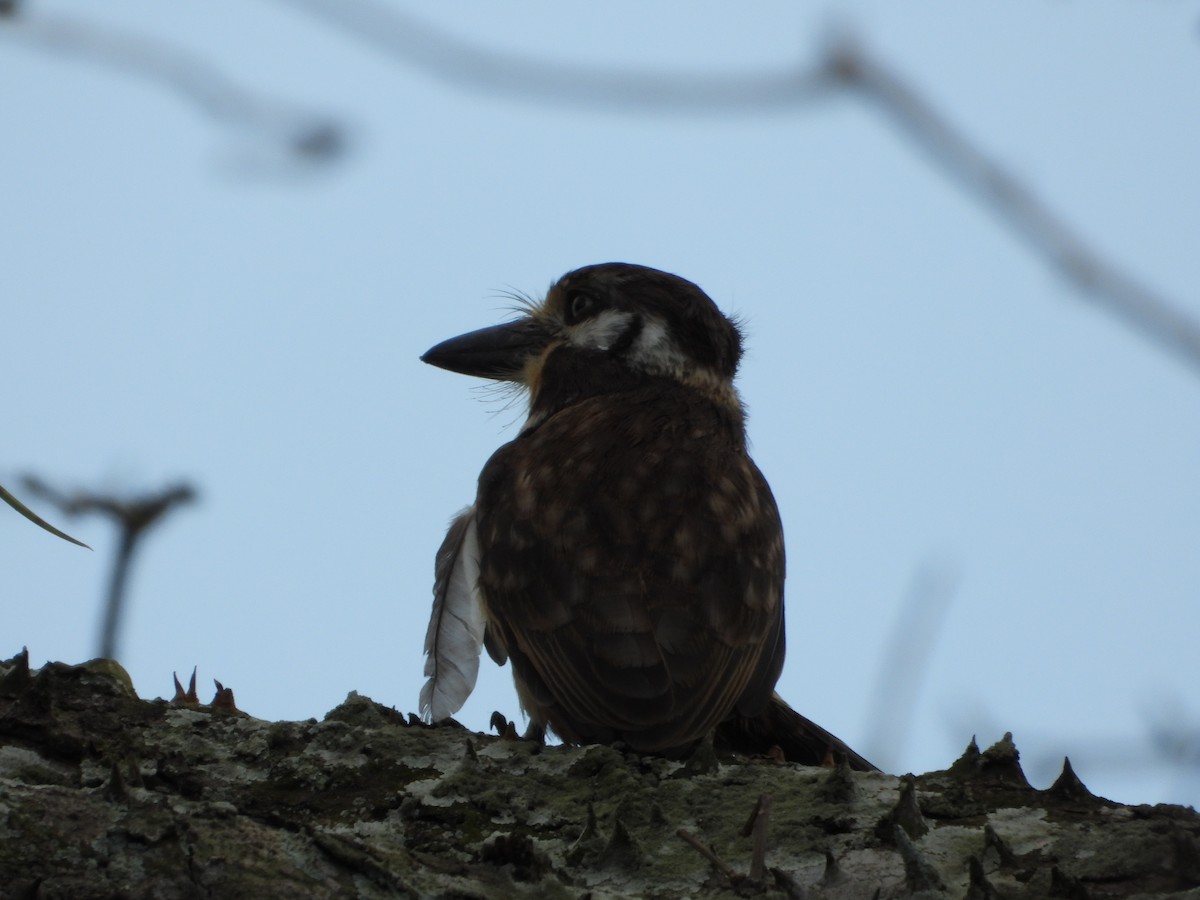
623 553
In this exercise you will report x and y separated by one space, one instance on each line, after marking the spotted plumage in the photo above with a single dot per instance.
629 553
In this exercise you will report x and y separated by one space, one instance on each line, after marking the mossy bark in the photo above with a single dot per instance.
103 794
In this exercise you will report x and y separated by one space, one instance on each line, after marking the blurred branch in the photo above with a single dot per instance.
844 66
905 660
472 67
1017 206
133 518
1177 743
303 136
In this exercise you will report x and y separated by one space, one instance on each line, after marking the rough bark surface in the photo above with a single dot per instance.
106 795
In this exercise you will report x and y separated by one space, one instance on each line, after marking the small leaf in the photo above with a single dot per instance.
35 518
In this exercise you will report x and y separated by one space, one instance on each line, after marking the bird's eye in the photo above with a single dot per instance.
579 307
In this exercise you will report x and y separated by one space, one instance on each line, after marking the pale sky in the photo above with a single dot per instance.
930 401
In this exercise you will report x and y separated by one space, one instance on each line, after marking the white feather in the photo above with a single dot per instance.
455 635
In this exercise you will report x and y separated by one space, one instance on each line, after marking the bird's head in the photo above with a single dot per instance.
601 329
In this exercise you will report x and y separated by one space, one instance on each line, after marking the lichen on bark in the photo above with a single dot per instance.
103 794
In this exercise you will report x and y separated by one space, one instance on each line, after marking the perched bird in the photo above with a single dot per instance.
623 552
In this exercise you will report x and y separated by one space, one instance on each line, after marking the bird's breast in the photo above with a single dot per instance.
631 563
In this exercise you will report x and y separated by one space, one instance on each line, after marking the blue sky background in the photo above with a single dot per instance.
930 402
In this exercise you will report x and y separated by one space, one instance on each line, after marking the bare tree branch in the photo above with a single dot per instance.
303 136
134 518
844 65
1046 233
472 67
906 659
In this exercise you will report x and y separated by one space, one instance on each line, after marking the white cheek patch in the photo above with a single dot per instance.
654 351
601 332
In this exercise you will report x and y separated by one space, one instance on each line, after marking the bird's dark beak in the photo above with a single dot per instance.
499 352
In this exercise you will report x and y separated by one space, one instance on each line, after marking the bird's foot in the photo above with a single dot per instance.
504 727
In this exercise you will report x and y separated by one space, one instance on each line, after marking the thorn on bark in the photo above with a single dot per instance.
978 887
470 759
906 814
223 700
115 788
1063 885
622 850
588 843
791 888
993 841
833 872
1068 786
968 763
919 875
518 852
757 826
1003 761
703 760
188 697
839 785
18 678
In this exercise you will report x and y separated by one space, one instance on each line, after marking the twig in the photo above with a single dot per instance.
306 137
1046 233
759 821
133 518
473 67
708 853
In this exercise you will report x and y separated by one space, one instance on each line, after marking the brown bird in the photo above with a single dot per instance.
624 551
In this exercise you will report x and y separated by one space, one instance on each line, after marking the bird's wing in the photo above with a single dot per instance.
456 626
637 588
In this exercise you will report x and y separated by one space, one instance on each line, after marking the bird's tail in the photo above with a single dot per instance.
801 740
